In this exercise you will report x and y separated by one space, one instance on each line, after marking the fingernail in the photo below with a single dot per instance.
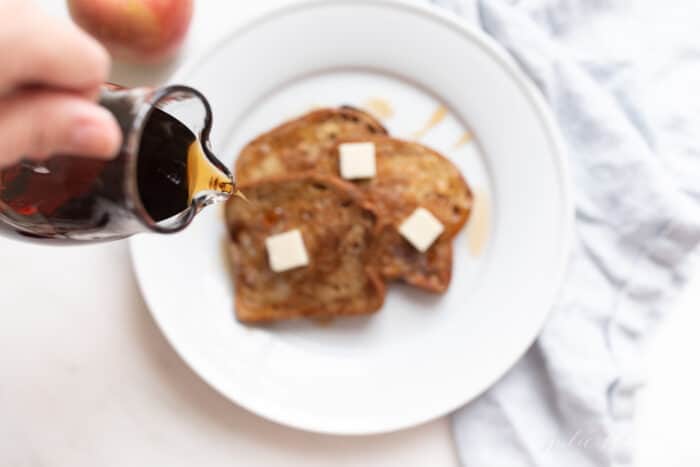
100 139
89 138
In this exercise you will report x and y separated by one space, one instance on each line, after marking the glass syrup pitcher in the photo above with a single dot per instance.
162 177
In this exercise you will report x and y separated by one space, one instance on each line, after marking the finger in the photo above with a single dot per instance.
91 94
39 49
38 124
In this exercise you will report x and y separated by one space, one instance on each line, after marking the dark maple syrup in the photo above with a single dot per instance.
173 168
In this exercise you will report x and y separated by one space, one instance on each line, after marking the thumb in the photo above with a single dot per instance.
38 124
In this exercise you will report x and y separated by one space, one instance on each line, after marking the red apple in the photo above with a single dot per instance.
145 31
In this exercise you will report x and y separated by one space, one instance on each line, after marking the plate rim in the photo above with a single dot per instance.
560 160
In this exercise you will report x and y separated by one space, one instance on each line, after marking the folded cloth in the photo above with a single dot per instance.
622 97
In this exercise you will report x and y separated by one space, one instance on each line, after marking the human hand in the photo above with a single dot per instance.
50 75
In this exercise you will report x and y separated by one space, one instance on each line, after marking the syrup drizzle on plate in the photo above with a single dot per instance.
479 225
438 116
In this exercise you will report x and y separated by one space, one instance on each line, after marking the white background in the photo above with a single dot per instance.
87 379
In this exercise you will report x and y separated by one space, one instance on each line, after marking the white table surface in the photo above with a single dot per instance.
87 379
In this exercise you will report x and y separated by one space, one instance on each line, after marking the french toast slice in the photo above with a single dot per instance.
304 143
338 228
411 175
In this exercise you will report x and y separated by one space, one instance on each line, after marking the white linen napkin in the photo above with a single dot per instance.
621 79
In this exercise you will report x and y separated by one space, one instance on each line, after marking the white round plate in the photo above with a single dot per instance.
422 355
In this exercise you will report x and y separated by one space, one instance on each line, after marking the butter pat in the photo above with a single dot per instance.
286 251
421 229
357 160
